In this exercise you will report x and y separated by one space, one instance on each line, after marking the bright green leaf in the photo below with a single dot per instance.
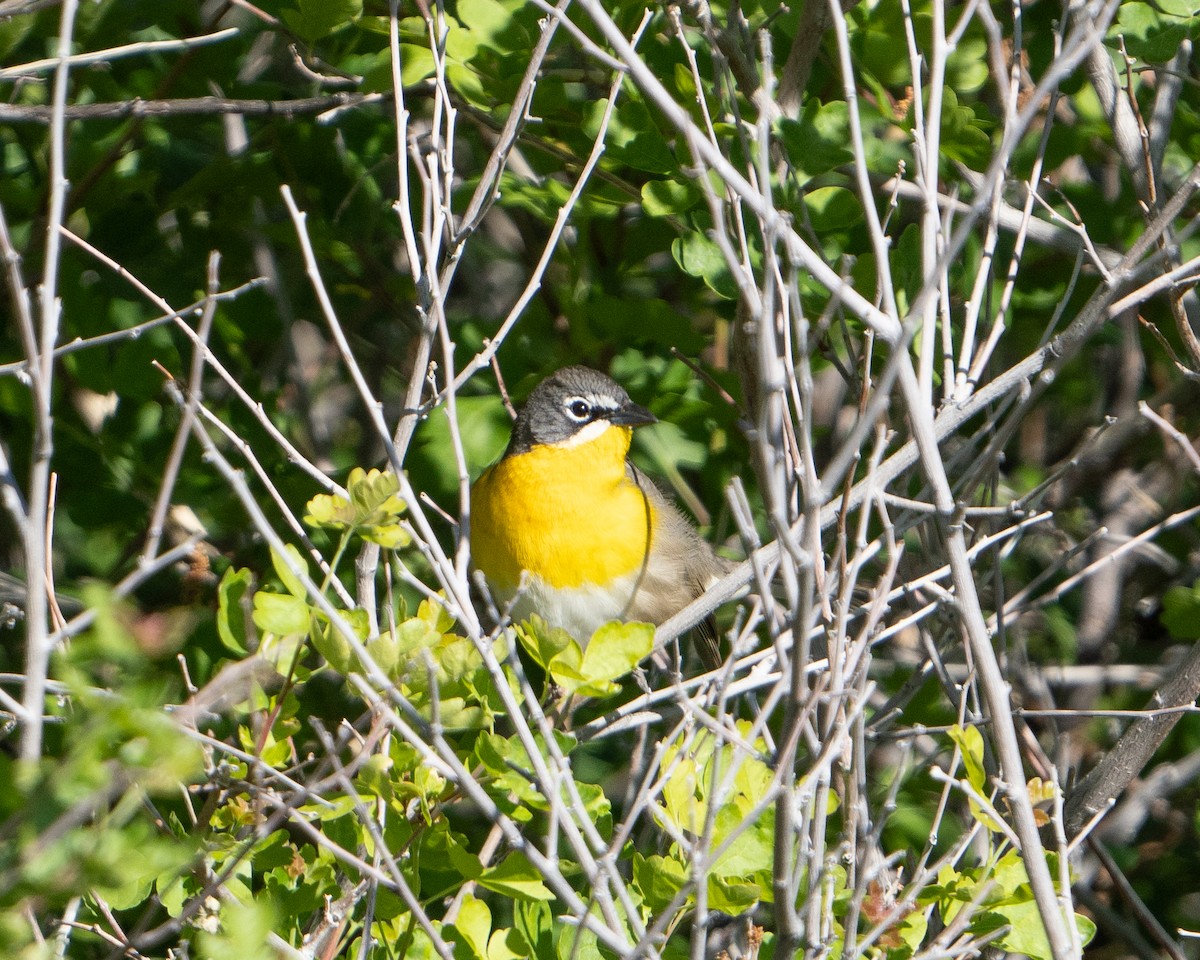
615 649
1179 8
970 744
1150 35
372 511
231 609
434 613
516 877
752 848
574 942
416 63
281 615
543 642
535 922
659 879
1026 933
733 896
291 582
912 930
474 924
506 944
334 647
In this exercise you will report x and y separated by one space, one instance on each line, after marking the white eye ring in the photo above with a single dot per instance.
578 409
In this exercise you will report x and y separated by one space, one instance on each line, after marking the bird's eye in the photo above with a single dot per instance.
579 409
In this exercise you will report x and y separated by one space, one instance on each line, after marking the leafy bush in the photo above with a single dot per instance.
909 286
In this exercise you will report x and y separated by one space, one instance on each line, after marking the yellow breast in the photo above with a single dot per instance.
567 514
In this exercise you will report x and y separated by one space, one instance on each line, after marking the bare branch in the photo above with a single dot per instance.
194 106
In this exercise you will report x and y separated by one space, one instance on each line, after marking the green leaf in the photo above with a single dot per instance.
912 932
907 272
330 510
142 859
615 649
633 137
970 744
1026 933
374 494
680 801
506 944
733 896
1010 877
490 24
455 714
819 141
1151 35
372 510
753 847
566 669
416 64
963 137
700 257
474 925
280 614
535 922
572 942
333 645
967 69
595 801
659 879
434 613
291 583
465 863
1181 611
315 19
833 208
385 653
669 198
543 642
492 751
12 31
1179 8
243 933
333 808
390 536
231 610
516 877
414 635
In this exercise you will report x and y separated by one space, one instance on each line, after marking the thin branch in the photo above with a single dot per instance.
1129 756
115 53
189 107
37 643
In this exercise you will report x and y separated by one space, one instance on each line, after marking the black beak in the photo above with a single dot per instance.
631 415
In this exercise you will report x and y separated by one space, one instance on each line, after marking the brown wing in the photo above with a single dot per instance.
681 566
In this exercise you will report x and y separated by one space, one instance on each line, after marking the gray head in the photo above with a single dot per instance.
567 403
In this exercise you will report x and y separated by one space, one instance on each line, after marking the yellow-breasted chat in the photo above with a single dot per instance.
571 530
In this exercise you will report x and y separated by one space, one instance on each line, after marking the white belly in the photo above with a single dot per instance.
578 610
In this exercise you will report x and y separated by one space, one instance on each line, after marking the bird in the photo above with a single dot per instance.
565 526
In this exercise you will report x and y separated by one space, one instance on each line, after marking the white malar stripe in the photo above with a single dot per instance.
592 431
